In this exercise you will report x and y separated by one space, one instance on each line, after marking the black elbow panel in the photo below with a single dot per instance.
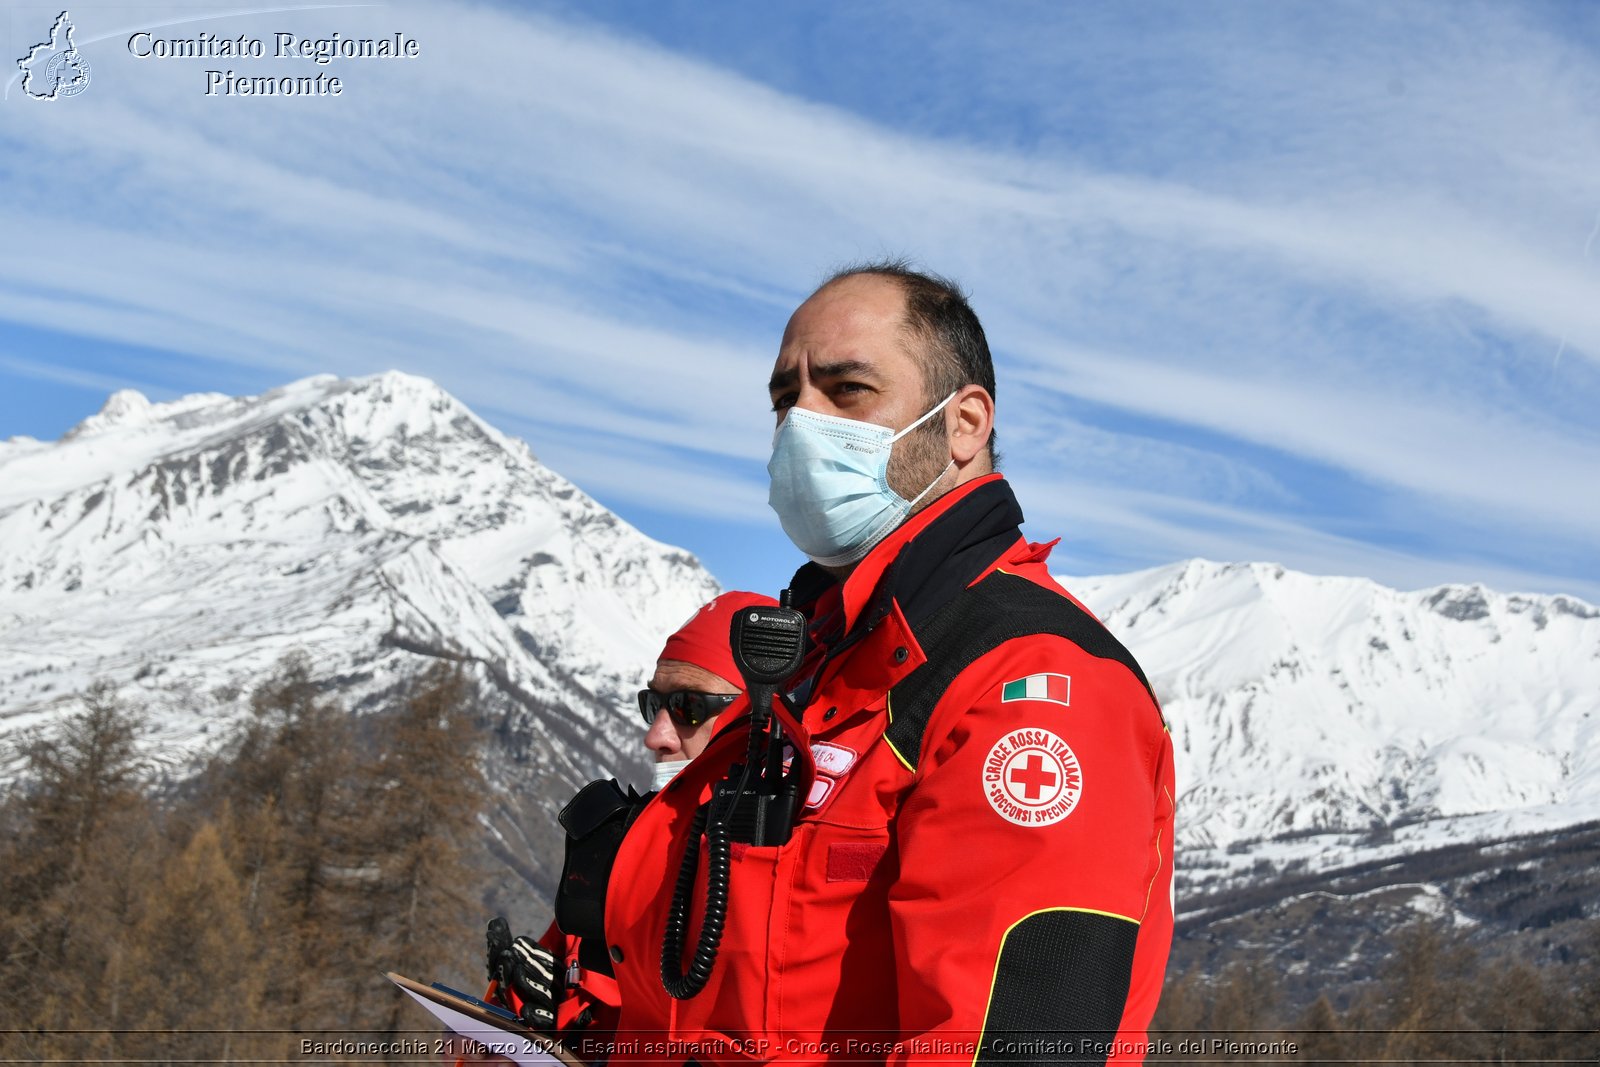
1060 986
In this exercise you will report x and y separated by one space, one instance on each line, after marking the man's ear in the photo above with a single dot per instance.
969 419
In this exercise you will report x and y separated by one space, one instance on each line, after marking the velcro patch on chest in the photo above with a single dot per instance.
853 861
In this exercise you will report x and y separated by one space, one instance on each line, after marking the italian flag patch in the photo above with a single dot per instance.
1056 688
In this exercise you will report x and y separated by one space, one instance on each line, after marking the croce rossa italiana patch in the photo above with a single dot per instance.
1032 778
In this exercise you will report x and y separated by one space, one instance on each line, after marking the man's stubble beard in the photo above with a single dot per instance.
917 459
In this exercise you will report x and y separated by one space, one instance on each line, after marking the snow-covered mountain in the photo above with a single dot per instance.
1319 721
180 549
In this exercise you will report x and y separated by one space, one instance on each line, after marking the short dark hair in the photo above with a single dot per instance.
938 315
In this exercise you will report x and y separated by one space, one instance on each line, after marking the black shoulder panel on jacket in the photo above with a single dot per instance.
973 623
1060 986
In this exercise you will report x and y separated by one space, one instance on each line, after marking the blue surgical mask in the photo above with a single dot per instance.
830 484
663 773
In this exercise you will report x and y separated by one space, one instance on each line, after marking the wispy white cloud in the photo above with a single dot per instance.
1480 457
66 375
1103 525
610 470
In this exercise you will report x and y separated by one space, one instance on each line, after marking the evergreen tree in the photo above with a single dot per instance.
1245 999
427 789
1320 1034
1580 1009
1181 1014
1421 996
196 985
289 783
73 783
82 841
269 898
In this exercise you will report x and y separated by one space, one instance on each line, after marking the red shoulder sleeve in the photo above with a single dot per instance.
1032 914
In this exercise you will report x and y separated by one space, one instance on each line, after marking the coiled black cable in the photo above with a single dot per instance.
681 985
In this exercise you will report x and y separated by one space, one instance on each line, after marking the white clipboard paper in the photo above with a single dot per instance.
499 1032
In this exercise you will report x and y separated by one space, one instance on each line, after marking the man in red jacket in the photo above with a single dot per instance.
553 982
981 865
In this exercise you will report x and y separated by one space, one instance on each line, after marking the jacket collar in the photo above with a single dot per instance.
929 558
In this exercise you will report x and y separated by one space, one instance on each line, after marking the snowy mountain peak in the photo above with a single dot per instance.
129 411
123 407
1304 708
184 546
373 416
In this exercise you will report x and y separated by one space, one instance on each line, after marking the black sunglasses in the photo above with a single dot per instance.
687 707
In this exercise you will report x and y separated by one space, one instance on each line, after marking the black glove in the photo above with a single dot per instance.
527 968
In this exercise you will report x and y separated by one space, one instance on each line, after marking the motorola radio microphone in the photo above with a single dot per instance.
768 645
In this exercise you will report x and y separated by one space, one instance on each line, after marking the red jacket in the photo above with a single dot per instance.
985 879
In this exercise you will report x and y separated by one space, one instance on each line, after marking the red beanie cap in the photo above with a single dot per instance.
703 640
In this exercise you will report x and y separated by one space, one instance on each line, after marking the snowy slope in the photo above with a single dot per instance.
1319 719
181 549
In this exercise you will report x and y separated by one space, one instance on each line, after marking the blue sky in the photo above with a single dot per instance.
1315 284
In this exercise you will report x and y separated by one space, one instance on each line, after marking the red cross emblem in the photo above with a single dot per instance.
1032 778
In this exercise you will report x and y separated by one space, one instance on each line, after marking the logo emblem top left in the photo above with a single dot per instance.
54 68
